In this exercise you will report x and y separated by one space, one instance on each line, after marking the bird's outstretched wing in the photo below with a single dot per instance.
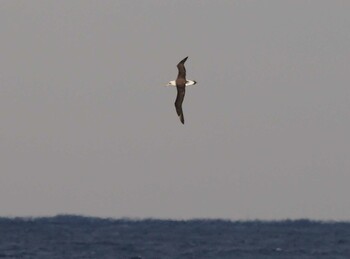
178 103
181 68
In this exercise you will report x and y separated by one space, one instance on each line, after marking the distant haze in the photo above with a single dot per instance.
87 126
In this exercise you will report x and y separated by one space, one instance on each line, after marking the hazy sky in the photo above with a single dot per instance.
87 126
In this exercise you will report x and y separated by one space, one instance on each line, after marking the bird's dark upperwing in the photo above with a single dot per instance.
181 68
178 103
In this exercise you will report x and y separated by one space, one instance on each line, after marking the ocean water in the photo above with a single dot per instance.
84 237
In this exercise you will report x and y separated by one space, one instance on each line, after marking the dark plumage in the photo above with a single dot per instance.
180 85
178 102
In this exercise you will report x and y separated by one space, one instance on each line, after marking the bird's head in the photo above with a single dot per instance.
171 83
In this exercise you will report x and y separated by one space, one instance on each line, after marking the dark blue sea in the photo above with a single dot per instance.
84 237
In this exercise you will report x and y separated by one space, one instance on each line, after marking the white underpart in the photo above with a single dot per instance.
189 82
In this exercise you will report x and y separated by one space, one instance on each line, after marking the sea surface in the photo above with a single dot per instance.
67 236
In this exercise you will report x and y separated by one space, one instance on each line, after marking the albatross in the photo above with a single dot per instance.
181 84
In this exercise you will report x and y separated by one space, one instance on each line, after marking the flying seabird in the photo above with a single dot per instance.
181 84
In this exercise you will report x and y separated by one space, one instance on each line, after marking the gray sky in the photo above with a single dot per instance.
88 128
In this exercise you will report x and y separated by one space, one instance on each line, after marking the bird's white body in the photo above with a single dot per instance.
188 82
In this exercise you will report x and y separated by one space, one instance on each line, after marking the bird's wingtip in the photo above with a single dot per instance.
181 117
184 60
